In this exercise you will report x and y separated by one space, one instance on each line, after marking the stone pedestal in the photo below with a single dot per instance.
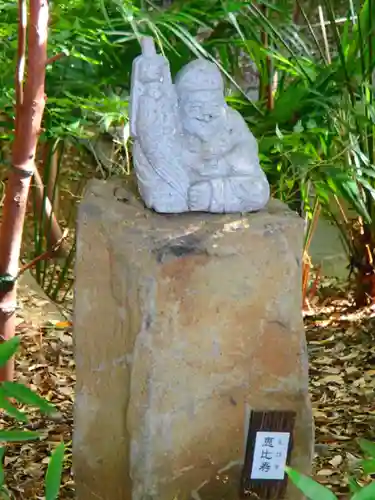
184 324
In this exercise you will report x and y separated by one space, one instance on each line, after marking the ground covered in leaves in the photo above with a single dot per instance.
342 373
45 363
341 343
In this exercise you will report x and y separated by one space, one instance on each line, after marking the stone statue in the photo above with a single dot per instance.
191 151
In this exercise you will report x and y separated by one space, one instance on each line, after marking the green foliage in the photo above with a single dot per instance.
315 491
14 436
26 396
22 394
366 493
368 464
8 349
316 141
100 40
367 447
310 488
19 392
54 472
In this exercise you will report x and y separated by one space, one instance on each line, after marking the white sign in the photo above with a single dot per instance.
270 454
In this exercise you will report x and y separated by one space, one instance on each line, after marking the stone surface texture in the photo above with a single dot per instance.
183 325
191 151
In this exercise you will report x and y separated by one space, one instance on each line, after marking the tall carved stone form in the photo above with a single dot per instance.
191 151
184 325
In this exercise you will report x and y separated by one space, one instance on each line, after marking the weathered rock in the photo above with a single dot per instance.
183 325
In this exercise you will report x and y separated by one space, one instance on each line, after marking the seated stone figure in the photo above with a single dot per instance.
191 151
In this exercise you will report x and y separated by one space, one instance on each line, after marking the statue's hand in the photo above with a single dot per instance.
199 196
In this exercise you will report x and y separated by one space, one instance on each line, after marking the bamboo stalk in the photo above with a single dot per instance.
52 228
296 13
30 102
49 168
47 197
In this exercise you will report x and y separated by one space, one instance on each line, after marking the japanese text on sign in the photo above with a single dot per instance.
270 454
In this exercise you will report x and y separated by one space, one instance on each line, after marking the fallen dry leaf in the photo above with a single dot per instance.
335 379
336 460
325 472
342 387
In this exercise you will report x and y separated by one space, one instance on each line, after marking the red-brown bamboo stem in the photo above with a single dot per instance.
30 102
296 13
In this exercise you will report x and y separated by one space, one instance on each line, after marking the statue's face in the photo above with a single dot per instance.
151 71
203 113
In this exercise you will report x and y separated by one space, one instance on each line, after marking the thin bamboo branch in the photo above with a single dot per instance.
44 256
267 90
324 34
340 20
56 57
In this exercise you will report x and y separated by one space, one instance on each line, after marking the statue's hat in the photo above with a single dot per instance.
199 74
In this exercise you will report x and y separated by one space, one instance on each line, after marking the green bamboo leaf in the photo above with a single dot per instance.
353 485
5 494
366 493
2 475
11 410
15 436
368 466
348 188
367 447
54 472
367 186
310 488
26 396
278 132
369 171
8 349
298 127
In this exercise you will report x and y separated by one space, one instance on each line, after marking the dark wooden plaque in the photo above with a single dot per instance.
267 448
